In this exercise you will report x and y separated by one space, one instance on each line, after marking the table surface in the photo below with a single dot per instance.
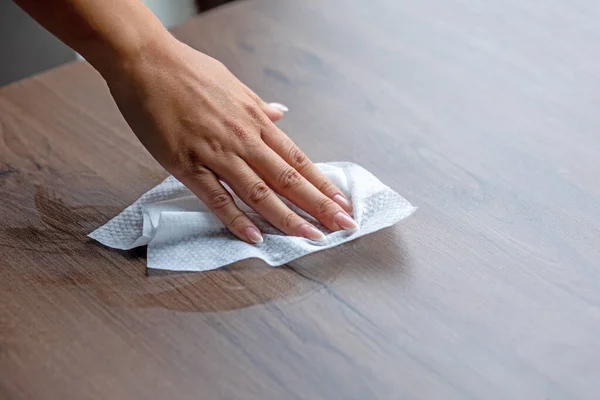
483 114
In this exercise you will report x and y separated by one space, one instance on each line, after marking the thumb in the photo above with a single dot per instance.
274 111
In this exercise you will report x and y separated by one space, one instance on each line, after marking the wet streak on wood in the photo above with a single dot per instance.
483 114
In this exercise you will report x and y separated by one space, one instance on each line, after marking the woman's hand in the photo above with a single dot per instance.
204 126
201 123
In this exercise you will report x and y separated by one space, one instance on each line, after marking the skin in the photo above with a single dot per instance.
196 118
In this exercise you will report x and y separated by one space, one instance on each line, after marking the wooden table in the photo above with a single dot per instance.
483 114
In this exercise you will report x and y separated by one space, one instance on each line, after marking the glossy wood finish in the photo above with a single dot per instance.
483 114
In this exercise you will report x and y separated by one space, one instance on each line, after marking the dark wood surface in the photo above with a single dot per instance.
483 114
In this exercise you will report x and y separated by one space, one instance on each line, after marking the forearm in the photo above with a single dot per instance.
107 33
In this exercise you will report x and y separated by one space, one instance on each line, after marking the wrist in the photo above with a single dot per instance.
128 45
136 55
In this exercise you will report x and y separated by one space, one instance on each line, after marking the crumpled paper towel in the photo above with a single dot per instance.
183 235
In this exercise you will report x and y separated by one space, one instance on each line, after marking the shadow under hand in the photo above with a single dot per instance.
118 278
376 257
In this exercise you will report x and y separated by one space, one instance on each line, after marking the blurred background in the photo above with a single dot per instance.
26 48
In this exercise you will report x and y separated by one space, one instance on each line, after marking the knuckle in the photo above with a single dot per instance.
235 220
297 158
237 129
290 179
253 111
324 205
215 145
219 200
189 122
259 193
288 219
325 186
188 162
199 172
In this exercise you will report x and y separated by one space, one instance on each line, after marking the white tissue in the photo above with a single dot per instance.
183 235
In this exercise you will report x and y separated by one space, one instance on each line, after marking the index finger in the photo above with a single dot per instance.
291 153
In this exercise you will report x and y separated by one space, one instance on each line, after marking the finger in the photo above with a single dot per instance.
206 186
290 184
287 149
274 111
256 194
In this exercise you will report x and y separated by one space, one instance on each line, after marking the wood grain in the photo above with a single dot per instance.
483 114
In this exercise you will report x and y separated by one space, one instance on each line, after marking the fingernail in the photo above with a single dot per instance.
344 221
280 107
312 233
342 201
254 235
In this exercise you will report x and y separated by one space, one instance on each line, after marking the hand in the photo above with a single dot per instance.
204 126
